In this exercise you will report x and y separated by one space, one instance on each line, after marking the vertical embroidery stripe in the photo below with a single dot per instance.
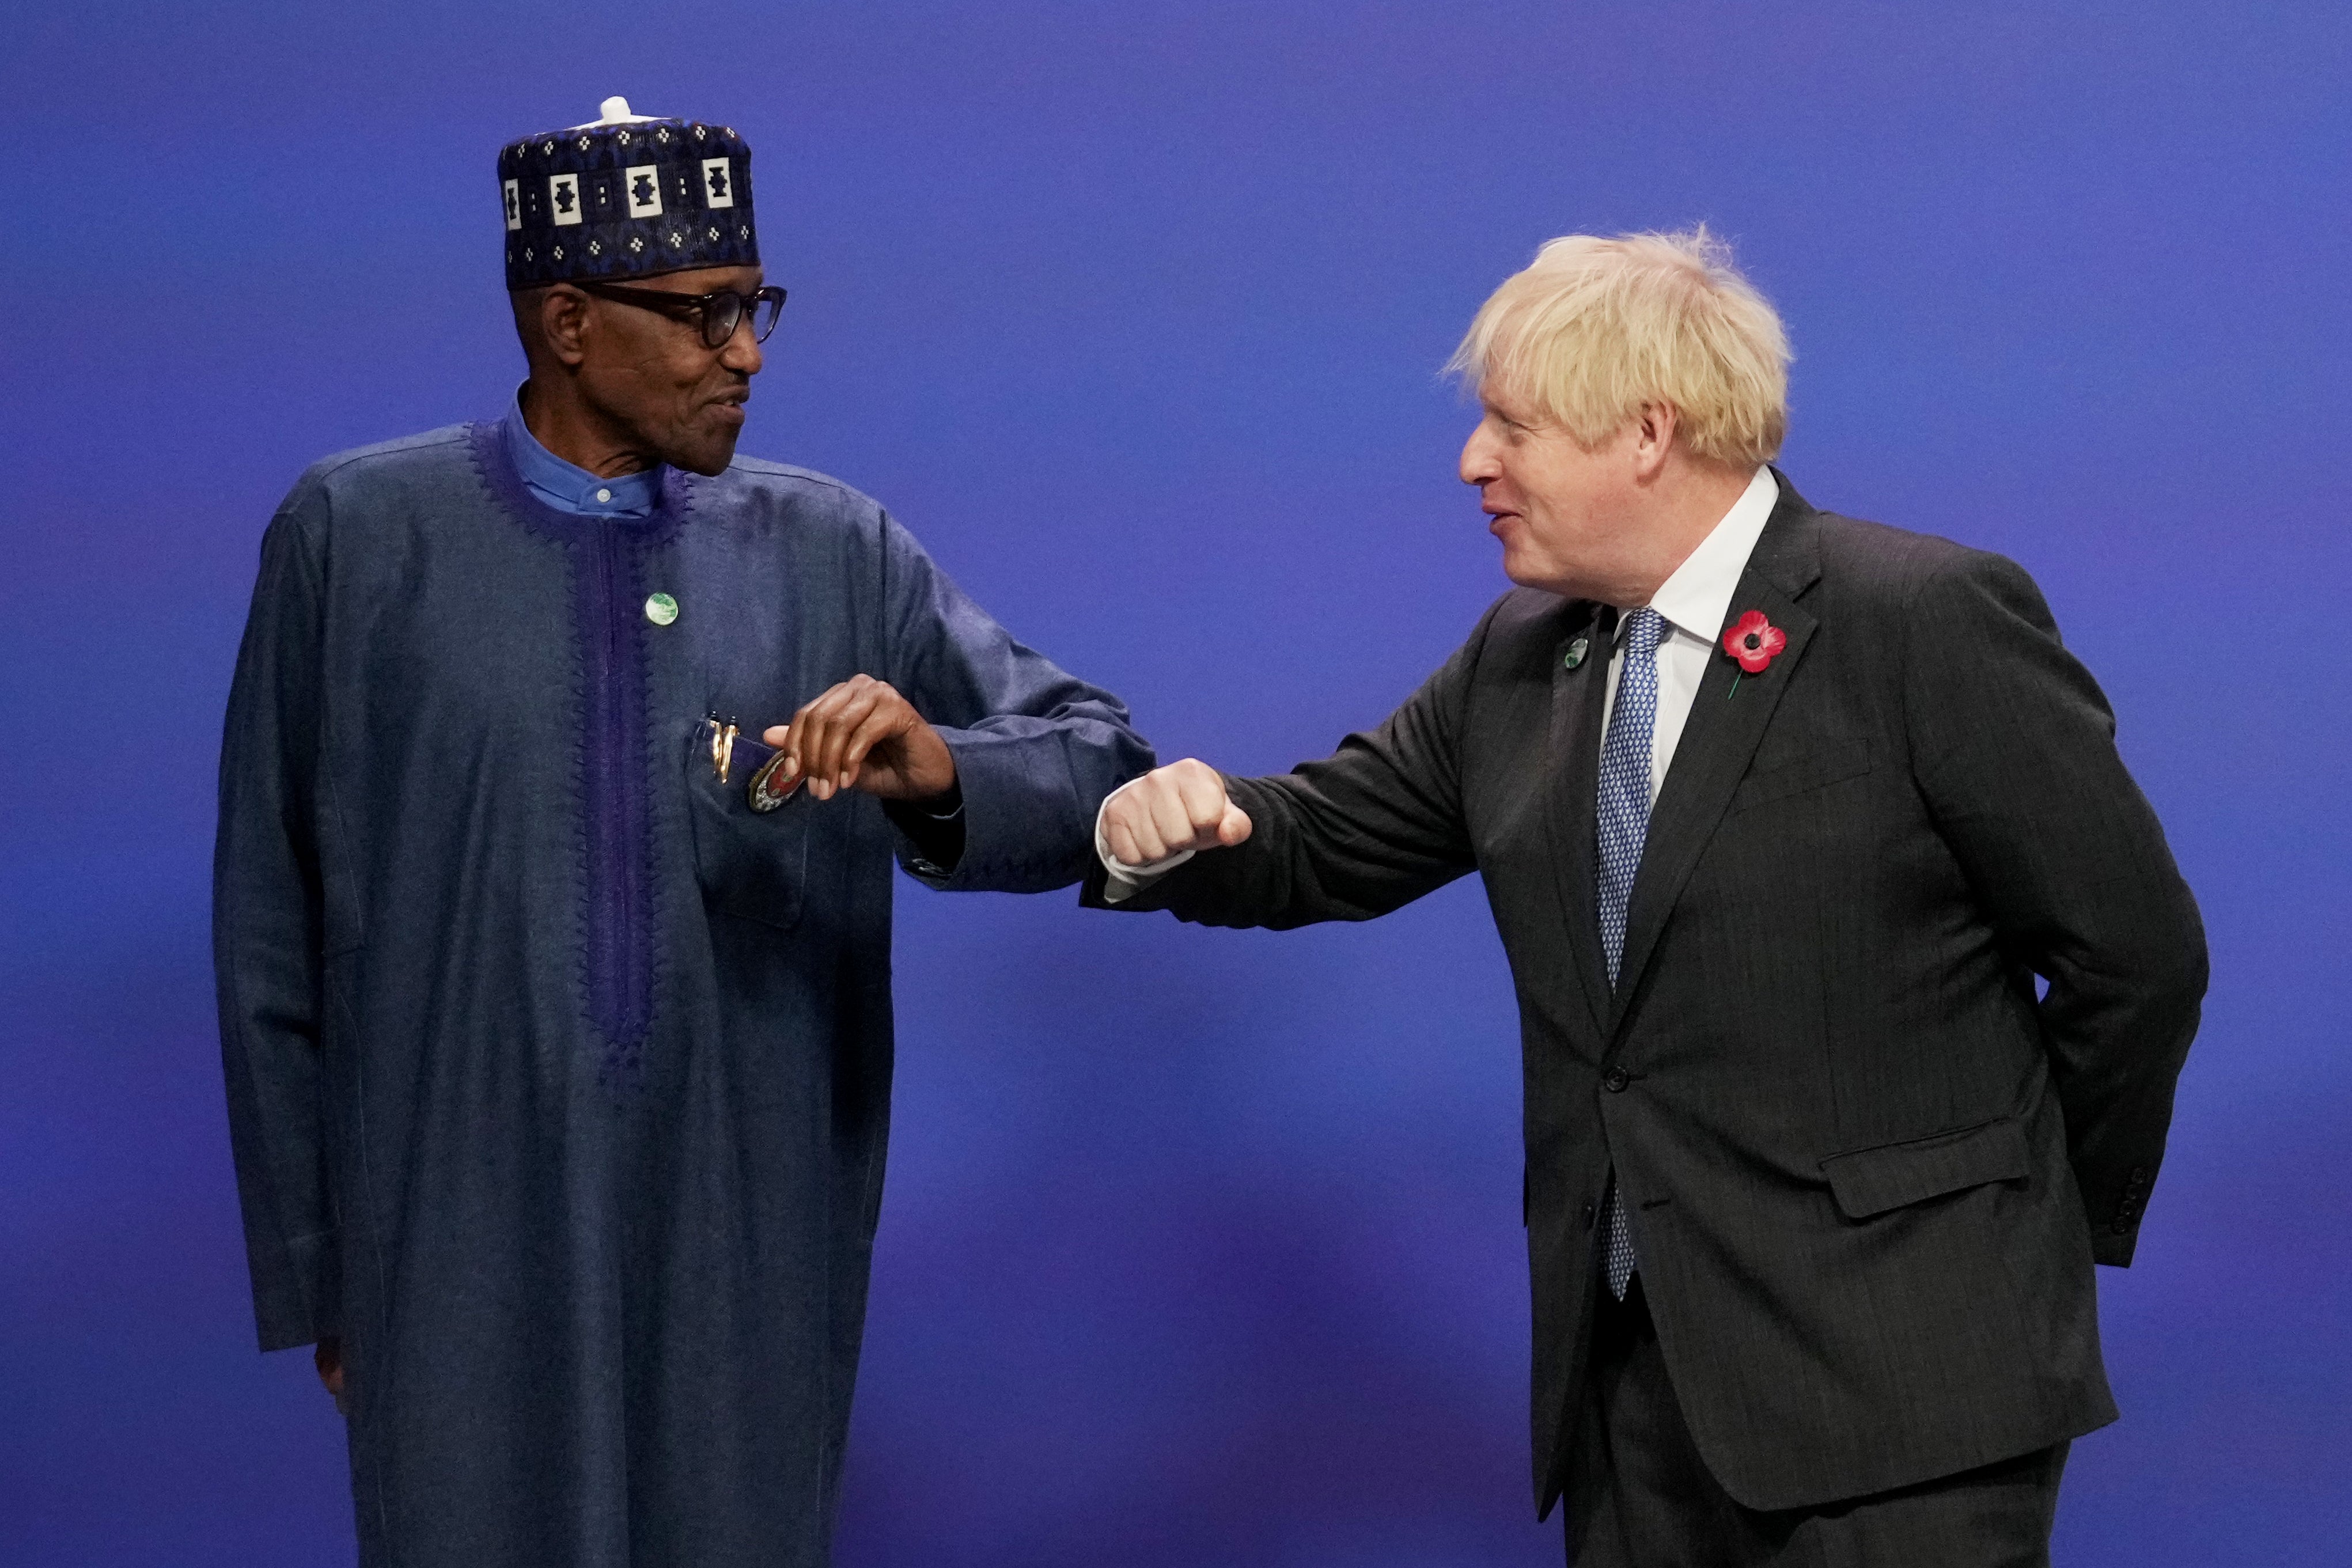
612 759
619 924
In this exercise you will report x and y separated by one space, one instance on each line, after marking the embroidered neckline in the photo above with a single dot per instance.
487 446
619 940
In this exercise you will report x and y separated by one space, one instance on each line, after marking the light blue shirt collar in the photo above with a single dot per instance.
567 486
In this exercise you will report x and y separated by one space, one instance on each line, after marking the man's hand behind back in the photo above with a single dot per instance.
1171 810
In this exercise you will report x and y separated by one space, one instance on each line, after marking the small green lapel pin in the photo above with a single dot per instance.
1575 652
660 609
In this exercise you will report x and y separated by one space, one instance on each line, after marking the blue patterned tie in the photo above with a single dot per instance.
1624 822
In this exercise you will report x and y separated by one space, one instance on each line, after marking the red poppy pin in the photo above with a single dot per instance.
1755 642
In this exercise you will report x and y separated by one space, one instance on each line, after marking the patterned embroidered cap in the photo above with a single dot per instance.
625 196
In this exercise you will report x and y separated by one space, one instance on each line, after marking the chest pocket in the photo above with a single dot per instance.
1826 762
753 865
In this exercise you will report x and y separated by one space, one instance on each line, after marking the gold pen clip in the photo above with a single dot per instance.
722 747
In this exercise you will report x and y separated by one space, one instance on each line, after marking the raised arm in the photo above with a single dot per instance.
990 760
1364 831
2013 746
1036 748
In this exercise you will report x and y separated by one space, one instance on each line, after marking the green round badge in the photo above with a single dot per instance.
661 609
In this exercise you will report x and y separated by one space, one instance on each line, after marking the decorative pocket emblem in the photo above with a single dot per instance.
768 790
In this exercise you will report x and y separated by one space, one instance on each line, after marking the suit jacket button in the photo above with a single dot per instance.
2121 1228
1616 1081
1588 1216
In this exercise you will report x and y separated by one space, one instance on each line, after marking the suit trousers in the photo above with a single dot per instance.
1643 1497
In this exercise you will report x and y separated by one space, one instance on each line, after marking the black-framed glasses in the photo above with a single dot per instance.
719 311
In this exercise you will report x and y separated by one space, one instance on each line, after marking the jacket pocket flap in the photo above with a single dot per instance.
1872 1181
1831 762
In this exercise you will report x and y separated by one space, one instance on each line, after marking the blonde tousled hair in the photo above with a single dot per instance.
1595 328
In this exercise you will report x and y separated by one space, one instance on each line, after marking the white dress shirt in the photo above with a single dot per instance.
1695 603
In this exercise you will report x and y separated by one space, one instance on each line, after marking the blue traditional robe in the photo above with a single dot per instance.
558 1077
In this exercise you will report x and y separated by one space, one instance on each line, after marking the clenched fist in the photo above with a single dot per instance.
1171 810
862 734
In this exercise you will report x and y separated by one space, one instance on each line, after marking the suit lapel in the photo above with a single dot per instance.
1574 746
1721 734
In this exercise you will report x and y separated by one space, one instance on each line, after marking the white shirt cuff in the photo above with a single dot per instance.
1126 880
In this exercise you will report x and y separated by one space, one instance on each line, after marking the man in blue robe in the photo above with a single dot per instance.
555 1011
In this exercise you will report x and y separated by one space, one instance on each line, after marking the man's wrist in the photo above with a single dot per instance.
945 806
935 827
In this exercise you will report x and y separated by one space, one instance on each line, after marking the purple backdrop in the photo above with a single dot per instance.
1199 1247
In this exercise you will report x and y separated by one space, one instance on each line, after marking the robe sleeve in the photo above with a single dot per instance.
1036 748
267 939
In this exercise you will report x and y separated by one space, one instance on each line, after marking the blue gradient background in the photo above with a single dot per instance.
1199 1249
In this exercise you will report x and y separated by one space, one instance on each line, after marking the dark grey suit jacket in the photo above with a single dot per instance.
1868 1169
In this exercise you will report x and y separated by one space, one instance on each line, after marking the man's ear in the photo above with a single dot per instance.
563 323
1654 438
